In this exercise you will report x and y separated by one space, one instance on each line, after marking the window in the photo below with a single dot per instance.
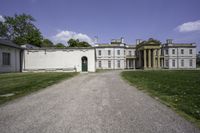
190 51
167 63
130 53
6 58
109 52
166 51
182 62
118 52
173 63
173 51
109 64
99 63
118 63
99 52
182 51
191 63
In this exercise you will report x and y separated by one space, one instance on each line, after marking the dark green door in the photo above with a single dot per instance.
84 64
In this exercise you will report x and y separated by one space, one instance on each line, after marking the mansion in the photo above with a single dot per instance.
150 54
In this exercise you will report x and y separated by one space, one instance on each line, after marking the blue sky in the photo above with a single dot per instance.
108 19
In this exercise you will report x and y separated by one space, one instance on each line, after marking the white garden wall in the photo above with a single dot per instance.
58 59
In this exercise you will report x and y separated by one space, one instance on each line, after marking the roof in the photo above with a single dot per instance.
130 46
29 46
54 48
191 45
9 44
106 44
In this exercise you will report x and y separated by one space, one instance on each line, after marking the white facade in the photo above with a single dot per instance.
179 57
130 57
58 59
10 63
110 57
116 55
172 56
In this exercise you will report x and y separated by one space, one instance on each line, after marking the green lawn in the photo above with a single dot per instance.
177 89
20 84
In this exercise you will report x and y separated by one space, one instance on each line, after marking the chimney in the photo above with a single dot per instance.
95 40
169 41
122 40
138 41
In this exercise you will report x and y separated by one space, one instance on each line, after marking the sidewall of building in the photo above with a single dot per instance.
14 59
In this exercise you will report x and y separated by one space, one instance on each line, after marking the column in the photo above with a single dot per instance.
161 65
149 56
140 60
145 55
154 58
158 58
128 64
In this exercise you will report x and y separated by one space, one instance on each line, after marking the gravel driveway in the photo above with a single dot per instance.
91 103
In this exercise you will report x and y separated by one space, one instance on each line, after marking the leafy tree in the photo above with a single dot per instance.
73 43
77 43
198 59
84 44
47 43
20 29
60 45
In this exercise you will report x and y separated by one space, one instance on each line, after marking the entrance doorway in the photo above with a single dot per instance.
84 64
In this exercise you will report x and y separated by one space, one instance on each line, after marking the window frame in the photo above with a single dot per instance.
130 53
173 63
191 62
118 52
109 52
190 51
173 51
167 52
109 64
182 51
182 63
100 64
6 59
167 63
118 63
99 52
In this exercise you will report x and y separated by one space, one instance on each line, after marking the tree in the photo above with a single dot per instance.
73 43
47 43
198 59
60 45
20 29
77 43
84 44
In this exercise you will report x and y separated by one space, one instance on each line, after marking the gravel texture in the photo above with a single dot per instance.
91 103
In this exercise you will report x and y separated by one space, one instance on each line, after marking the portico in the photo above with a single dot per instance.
149 55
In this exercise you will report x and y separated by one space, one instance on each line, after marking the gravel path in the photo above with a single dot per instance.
91 103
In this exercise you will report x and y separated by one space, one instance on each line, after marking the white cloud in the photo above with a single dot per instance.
64 36
1 18
189 26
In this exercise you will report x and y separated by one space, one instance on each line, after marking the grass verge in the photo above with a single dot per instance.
179 90
14 85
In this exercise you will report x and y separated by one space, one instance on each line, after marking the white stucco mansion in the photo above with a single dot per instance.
145 55
115 55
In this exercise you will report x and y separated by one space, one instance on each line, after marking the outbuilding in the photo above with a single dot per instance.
10 56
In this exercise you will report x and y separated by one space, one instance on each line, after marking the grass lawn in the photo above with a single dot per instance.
177 89
13 85
103 70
